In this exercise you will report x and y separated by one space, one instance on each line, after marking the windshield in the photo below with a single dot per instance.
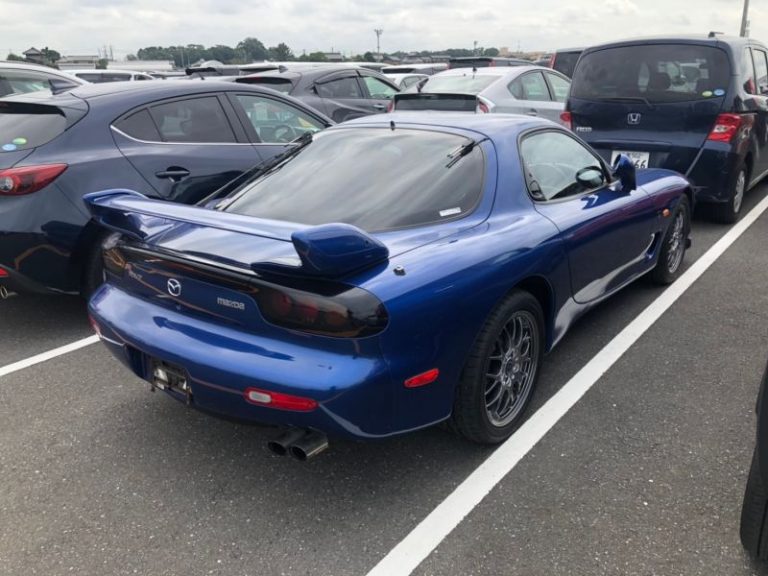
656 73
373 178
468 83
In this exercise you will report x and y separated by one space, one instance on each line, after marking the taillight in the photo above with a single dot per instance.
725 128
279 400
482 107
552 61
391 106
28 179
351 313
3 273
567 120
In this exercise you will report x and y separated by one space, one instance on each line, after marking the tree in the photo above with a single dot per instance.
281 53
252 49
102 64
14 58
50 57
492 52
131 57
369 57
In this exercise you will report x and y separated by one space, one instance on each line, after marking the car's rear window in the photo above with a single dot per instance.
26 127
280 84
658 73
374 178
468 83
565 62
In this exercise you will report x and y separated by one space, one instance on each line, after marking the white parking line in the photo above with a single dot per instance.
406 556
38 358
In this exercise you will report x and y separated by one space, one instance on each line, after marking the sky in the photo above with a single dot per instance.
84 26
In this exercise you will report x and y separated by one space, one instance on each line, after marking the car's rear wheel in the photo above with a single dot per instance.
670 263
754 514
728 212
500 375
93 266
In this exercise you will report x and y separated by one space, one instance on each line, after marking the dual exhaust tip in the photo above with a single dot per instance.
301 444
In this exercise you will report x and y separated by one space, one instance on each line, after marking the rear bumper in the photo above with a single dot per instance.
15 282
350 381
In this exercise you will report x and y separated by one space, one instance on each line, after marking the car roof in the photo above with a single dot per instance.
104 71
490 71
7 64
693 39
488 125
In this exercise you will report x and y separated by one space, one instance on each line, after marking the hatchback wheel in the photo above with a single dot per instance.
728 212
499 377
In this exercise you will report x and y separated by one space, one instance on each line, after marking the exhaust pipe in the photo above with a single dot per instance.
5 293
309 446
280 445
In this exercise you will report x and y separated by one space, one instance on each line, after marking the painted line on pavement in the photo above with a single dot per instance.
45 356
410 552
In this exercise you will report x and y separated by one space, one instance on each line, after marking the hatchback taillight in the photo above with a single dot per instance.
725 128
391 106
567 119
28 179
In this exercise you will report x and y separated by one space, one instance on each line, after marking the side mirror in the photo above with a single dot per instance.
590 177
624 170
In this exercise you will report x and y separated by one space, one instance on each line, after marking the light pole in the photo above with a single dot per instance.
474 49
379 32
744 19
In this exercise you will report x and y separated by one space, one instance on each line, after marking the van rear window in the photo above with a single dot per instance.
658 73
27 127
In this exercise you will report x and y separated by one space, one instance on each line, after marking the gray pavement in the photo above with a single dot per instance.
644 476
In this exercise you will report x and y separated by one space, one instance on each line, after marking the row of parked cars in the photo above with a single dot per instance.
262 263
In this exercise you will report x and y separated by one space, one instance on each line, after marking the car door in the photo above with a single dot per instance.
271 124
532 97
378 93
342 96
186 147
758 103
607 231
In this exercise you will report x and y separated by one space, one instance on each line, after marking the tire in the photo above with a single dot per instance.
672 252
754 512
515 371
93 267
728 212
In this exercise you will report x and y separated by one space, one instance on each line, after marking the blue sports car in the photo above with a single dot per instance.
384 275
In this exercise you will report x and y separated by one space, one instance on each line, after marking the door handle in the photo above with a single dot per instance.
380 106
173 172
532 112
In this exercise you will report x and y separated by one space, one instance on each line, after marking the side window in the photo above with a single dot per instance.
139 125
340 88
378 89
552 160
22 81
560 87
194 120
761 70
534 87
748 73
516 89
277 122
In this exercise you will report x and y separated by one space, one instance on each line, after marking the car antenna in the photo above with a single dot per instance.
392 125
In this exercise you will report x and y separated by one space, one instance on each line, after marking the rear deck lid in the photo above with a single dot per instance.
659 101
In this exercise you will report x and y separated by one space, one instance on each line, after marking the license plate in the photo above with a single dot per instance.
639 159
169 377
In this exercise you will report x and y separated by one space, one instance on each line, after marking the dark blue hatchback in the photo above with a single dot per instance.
698 106
175 141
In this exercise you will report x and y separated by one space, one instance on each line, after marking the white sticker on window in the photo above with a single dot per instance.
450 212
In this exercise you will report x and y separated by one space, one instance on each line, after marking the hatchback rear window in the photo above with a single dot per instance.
374 178
465 84
26 127
657 73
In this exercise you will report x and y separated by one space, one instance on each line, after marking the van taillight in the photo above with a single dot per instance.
28 179
726 127
352 313
567 119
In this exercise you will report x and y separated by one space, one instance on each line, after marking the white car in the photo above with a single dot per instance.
98 76
404 81
532 90
20 78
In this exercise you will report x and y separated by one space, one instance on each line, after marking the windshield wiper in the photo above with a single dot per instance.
628 99
260 169
462 151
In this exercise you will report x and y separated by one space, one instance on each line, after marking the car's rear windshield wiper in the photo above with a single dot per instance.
259 170
627 99
461 151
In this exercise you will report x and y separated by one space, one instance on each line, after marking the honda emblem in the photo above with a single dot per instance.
633 118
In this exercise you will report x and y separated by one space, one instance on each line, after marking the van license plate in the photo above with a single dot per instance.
639 159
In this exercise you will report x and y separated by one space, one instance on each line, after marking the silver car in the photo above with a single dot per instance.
532 90
20 77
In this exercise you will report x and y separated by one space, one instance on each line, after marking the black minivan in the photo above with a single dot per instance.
697 105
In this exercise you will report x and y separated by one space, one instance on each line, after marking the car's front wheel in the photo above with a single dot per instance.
500 375
673 247
754 514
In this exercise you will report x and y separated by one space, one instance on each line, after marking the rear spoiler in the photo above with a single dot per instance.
437 102
329 250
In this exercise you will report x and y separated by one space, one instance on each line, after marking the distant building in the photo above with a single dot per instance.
34 55
334 56
78 61
504 52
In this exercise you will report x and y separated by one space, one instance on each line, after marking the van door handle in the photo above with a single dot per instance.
173 172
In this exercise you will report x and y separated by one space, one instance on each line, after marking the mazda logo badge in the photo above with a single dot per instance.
174 287
633 118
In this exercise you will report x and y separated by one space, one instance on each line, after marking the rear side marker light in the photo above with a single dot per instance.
725 128
422 379
279 401
28 179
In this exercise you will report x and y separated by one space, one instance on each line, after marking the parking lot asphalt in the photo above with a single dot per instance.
644 476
